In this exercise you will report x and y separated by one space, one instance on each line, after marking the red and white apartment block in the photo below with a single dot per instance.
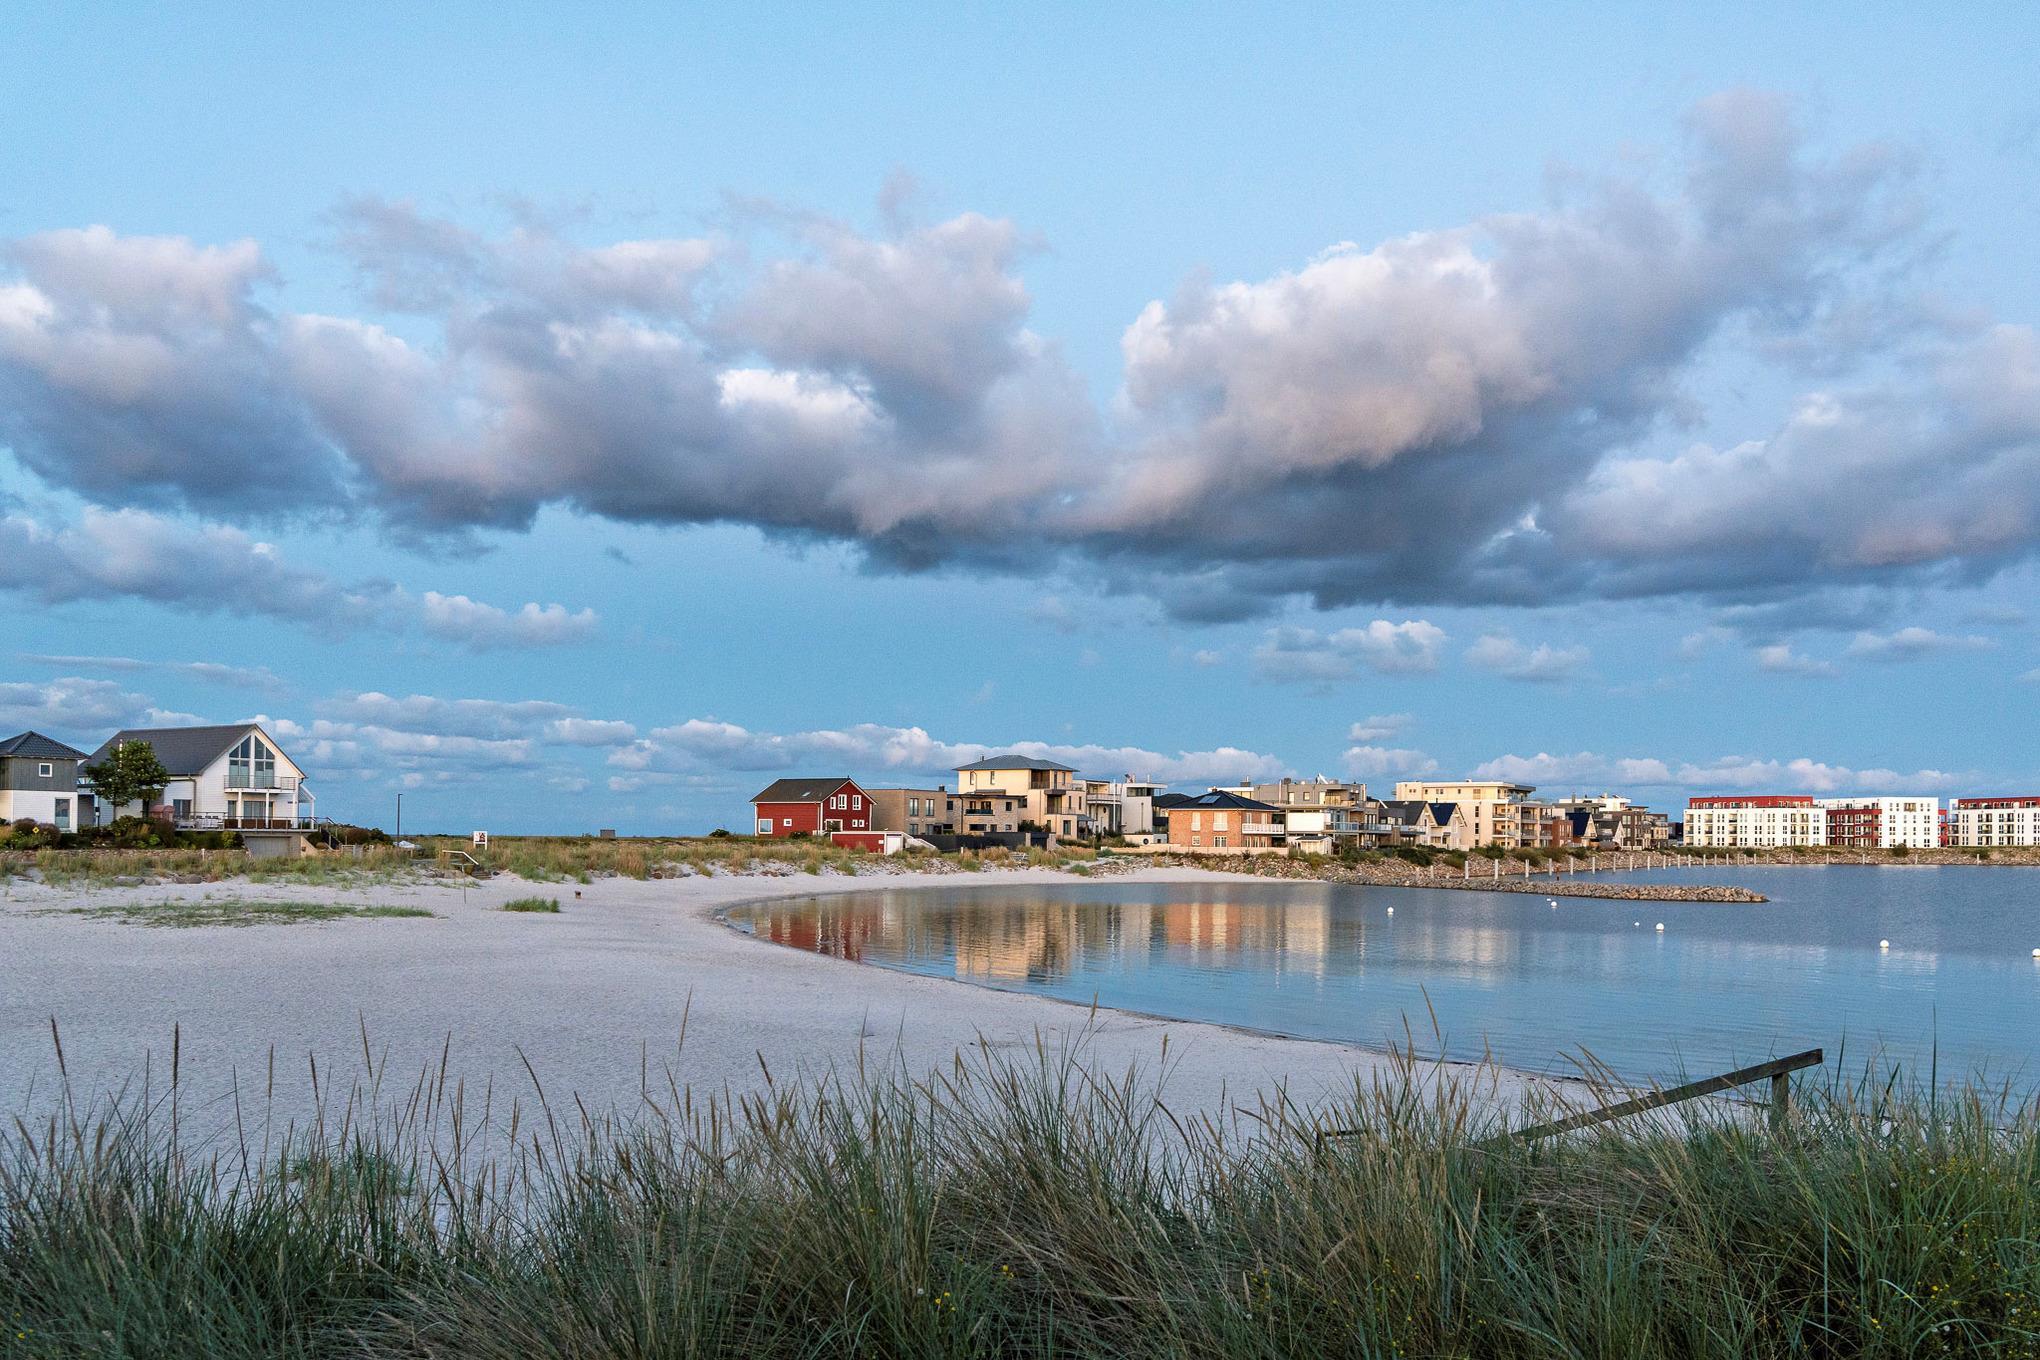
1994 821
1769 821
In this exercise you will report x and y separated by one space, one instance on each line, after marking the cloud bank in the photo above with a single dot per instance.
1450 416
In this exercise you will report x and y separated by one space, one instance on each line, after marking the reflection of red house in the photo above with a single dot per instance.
792 807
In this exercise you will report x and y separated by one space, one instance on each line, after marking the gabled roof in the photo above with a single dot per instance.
1016 763
800 790
1172 800
1408 811
184 751
1441 813
36 746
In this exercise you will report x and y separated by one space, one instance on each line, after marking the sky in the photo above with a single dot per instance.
576 418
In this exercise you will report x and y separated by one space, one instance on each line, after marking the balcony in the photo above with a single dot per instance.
1263 829
239 778
203 821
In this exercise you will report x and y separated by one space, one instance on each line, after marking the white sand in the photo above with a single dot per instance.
590 997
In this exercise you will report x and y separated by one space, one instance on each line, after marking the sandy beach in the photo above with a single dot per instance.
595 999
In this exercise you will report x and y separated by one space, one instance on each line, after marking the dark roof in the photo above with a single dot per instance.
1172 800
36 746
1408 811
800 790
1017 763
1441 813
1219 799
184 751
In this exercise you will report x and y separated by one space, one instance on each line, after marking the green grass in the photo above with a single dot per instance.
549 904
1027 1207
238 911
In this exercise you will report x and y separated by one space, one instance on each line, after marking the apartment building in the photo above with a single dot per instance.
1046 794
1610 822
1222 820
1755 822
1994 821
1491 814
914 812
1120 807
1758 822
1882 823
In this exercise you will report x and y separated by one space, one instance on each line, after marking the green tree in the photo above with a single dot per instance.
129 774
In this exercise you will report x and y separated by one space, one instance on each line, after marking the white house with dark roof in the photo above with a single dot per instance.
233 778
39 780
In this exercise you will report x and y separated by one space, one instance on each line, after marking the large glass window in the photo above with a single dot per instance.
251 765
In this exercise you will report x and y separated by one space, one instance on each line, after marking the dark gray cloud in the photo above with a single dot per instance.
1452 416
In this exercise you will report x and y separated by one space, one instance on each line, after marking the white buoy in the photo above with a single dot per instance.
1661 927
1391 911
1636 923
2036 953
1884 944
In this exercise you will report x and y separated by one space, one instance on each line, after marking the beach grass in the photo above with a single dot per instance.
1027 1206
238 911
539 859
538 904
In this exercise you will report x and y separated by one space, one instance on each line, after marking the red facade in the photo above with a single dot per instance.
842 807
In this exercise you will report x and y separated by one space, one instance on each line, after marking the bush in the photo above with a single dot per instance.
721 833
545 904
29 834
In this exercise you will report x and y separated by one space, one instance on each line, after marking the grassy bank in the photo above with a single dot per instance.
541 859
1021 1209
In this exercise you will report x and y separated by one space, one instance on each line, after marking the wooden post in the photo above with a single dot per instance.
1781 1100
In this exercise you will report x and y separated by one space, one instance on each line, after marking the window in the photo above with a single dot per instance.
857 801
45 771
786 822
251 765
63 810
764 826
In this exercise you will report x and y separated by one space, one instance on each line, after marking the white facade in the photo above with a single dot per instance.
1911 822
1776 822
1996 821
1122 807
40 805
1754 823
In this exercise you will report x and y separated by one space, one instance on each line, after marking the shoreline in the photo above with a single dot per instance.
635 984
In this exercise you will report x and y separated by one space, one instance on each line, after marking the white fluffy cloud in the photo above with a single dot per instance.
1305 655
1910 644
1385 762
1379 727
1779 658
1543 663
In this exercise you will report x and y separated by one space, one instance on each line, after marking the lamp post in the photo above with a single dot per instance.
400 816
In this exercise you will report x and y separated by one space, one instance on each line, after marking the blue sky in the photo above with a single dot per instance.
578 419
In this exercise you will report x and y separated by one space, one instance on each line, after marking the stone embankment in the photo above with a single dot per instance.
1398 873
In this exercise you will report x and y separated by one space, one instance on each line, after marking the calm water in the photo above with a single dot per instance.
1725 984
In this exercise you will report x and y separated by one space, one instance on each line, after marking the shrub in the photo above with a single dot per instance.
545 904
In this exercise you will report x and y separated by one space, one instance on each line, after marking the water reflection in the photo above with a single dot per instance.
1725 984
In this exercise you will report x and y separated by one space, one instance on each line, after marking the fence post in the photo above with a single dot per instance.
1781 1100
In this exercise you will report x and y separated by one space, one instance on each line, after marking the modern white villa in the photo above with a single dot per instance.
232 778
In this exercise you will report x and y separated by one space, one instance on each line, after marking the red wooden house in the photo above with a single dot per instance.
815 807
